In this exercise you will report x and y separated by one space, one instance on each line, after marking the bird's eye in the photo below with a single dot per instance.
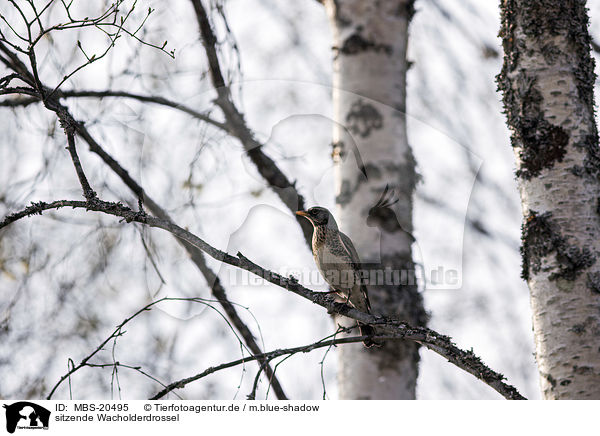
312 212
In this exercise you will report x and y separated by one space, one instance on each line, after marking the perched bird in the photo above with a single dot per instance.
339 263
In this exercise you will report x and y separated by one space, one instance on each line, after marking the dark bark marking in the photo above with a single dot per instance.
405 299
550 52
372 171
582 369
577 170
593 282
384 218
338 149
591 163
341 20
538 22
551 380
356 44
406 8
541 237
345 195
569 18
541 20
542 143
363 118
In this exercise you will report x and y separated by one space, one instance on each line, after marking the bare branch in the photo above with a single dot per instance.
13 62
18 90
220 294
148 99
69 124
19 102
196 255
119 332
5 81
265 356
277 180
136 368
110 22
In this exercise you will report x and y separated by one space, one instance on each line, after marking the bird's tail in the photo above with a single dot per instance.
367 330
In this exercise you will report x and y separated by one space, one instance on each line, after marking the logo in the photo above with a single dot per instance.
26 415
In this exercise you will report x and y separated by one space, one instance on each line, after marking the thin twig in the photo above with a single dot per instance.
148 99
265 356
68 124
116 334
136 368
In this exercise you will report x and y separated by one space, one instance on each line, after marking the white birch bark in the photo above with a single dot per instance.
548 80
371 150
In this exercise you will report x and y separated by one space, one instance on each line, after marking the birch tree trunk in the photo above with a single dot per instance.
548 81
371 150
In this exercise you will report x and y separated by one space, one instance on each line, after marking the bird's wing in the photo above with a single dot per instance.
349 247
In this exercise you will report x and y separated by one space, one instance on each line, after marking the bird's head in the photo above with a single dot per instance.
318 216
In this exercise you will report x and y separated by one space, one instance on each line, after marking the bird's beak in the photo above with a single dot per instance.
302 213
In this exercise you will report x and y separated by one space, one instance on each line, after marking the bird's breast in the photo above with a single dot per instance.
335 269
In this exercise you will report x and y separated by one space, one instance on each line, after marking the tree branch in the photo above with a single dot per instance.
69 124
235 123
264 356
436 342
19 102
52 103
277 181
14 102
114 335
267 168
147 99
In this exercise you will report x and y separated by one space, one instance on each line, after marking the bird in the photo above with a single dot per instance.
339 264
